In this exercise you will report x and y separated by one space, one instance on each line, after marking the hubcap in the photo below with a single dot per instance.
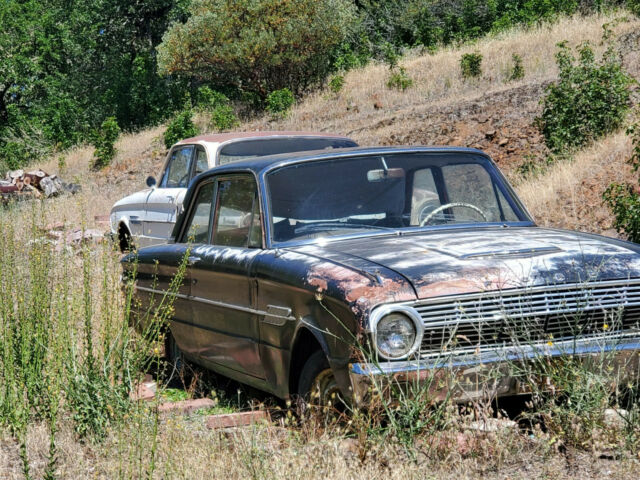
325 389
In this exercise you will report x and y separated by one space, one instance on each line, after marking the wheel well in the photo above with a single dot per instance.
305 345
124 238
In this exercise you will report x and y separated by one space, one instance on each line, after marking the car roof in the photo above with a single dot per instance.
225 137
261 164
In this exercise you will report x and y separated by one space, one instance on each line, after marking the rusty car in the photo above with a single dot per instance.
147 217
421 257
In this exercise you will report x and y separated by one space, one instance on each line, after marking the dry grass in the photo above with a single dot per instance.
569 193
437 78
186 449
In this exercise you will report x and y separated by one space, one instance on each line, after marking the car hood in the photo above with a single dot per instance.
135 198
476 260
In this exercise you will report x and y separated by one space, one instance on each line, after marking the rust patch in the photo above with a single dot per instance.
359 289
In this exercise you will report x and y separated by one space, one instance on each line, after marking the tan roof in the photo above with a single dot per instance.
223 137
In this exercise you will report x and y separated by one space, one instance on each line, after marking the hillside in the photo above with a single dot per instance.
490 113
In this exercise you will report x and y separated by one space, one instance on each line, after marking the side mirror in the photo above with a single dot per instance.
151 182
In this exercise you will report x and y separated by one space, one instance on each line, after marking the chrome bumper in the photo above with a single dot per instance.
489 374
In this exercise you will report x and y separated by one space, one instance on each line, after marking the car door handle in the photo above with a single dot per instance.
193 260
171 199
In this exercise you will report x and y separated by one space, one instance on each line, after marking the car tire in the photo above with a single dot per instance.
317 384
125 241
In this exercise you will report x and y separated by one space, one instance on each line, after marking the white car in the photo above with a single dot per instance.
147 217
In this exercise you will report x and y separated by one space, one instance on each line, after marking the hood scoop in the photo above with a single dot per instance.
484 249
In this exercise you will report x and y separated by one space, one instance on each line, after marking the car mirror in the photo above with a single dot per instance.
380 175
151 182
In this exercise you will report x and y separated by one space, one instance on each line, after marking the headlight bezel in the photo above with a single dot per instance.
381 312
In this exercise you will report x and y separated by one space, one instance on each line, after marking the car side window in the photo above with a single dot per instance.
202 165
236 221
178 168
197 230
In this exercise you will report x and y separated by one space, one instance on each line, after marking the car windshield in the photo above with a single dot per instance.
260 147
391 192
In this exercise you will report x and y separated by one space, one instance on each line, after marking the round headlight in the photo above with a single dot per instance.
395 335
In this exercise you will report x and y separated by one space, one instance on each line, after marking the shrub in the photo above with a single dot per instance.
209 99
224 118
634 6
588 101
399 79
624 199
180 127
257 45
104 140
517 70
336 83
222 115
471 65
280 101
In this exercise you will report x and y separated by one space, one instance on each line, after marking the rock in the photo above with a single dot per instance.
86 236
186 406
503 142
493 425
72 188
378 105
51 186
145 391
241 419
349 446
615 418
490 134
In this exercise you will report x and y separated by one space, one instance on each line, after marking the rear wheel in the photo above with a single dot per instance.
317 384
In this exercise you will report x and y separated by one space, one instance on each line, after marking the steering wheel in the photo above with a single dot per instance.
450 205
184 179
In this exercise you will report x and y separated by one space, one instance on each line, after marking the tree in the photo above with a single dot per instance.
257 46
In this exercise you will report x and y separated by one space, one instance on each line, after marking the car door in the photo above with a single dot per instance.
222 293
164 201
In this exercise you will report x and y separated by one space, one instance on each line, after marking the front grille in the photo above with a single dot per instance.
477 322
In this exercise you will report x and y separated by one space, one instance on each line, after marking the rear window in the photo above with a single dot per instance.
260 147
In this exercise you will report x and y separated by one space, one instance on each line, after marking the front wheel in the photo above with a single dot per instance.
317 384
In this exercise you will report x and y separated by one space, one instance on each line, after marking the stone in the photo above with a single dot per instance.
492 425
615 418
186 406
240 419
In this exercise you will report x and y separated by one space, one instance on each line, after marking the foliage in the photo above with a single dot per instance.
589 100
336 83
624 199
471 65
180 127
257 45
104 141
67 65
280 101
517 70
209 99
634 6
218 105
399 79
429 24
